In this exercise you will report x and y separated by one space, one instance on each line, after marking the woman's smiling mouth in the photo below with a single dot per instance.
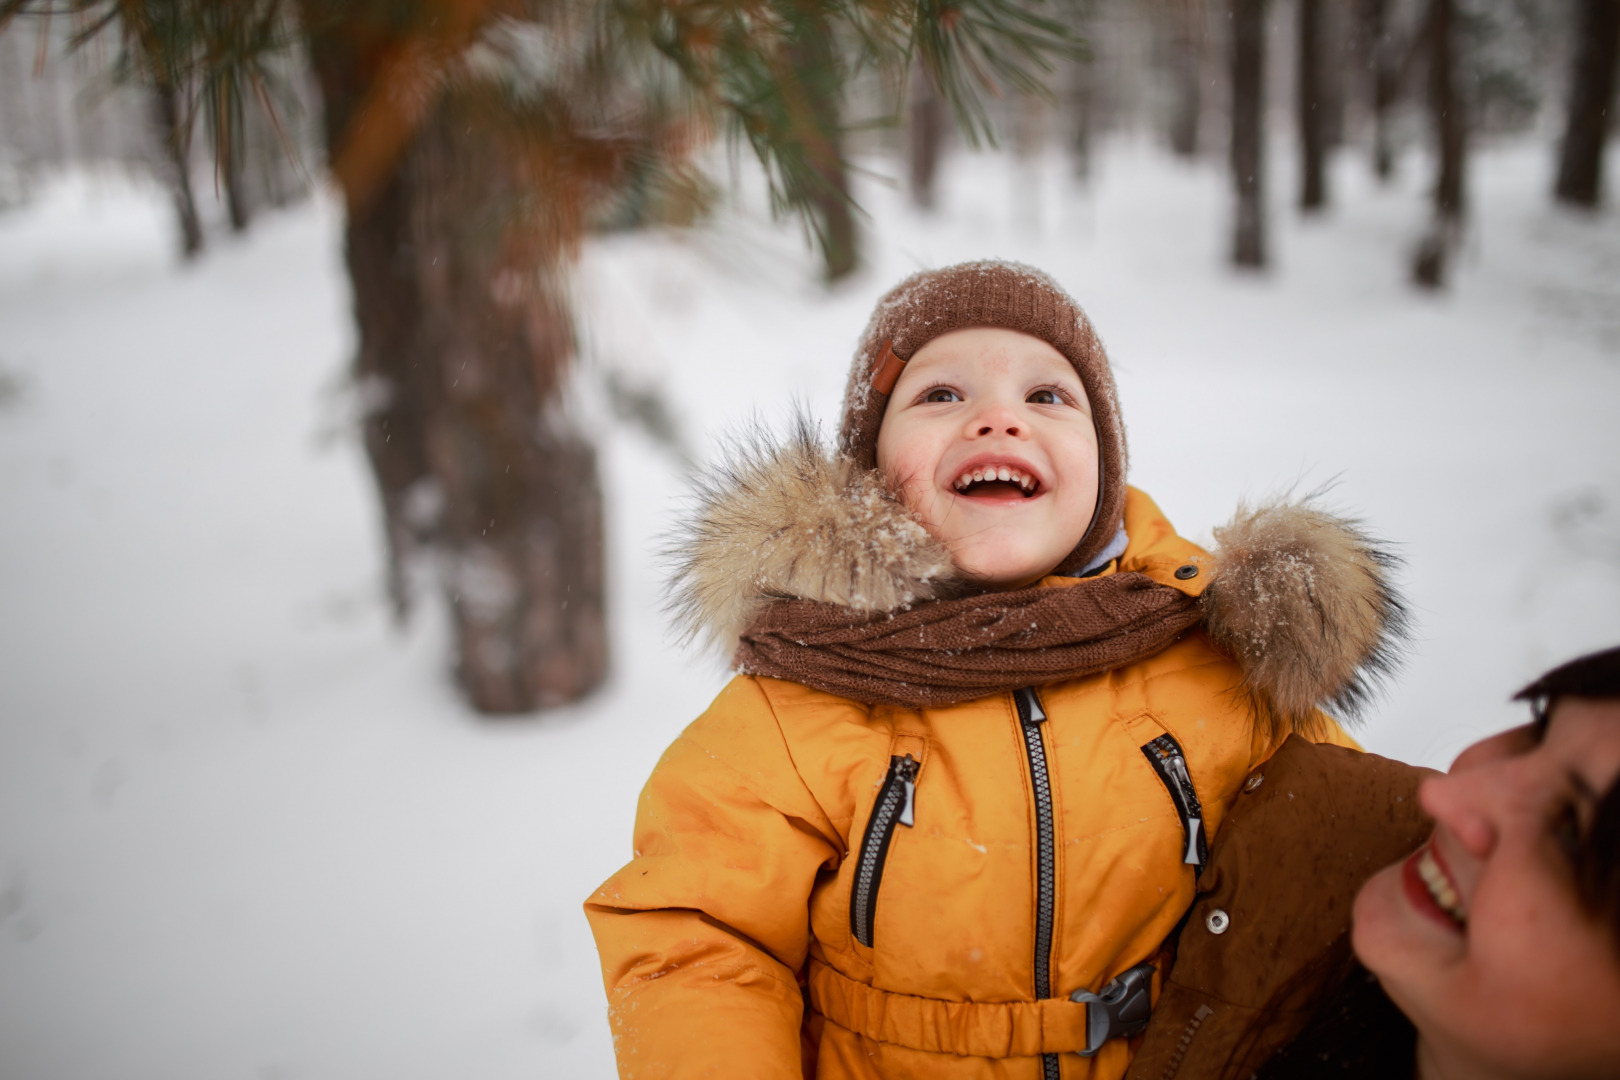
1430 889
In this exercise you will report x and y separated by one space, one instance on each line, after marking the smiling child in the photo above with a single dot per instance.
990 710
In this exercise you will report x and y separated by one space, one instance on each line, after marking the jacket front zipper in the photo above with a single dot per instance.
1165 755
1031 716
896 805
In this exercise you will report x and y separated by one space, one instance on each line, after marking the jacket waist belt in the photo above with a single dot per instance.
969 1028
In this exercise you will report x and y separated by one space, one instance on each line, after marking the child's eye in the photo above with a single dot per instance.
942 393
1044 397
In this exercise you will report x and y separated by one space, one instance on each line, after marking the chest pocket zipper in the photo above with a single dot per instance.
896 805
1165 755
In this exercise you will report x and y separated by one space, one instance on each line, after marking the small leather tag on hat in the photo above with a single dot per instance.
887 371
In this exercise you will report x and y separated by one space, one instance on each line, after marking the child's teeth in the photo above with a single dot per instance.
1003 473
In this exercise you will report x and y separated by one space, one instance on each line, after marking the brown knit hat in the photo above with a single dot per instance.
998 294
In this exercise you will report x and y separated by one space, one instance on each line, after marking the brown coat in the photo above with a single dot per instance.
1313 823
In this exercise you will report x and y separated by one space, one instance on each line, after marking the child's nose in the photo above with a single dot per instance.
996 419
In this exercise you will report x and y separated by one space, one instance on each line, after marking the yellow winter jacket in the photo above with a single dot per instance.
828 889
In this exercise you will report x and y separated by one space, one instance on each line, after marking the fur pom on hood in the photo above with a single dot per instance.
1300 598
791 520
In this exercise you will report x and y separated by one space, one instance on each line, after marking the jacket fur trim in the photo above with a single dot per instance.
1300 598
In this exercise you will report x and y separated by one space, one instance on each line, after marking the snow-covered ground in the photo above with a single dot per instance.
247 829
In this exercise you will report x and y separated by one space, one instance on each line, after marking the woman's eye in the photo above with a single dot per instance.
1043 397
942 393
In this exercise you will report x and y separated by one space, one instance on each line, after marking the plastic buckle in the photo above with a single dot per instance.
1120 1011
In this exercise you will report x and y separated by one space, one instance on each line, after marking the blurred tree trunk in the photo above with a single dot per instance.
926 135
1186 75
521 533
230 152
1382 72
817 78
1083 102
1448 108
1580 163
393 369
460 365
1311 107
237 205
172 134
1248 130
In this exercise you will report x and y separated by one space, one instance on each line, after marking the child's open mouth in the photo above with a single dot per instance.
996 482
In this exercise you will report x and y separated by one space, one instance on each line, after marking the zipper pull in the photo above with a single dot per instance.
1031 713
1195 829
907 769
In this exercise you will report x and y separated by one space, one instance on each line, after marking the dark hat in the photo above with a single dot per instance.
997 294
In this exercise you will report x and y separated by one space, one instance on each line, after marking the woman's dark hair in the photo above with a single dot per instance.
1355 1030
1595 675
1597 857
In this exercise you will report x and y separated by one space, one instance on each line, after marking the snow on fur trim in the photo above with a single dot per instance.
789 518
1303 602
1301 599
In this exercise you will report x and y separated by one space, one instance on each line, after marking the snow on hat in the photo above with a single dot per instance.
997 294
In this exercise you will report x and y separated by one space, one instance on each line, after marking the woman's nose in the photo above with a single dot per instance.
1461 802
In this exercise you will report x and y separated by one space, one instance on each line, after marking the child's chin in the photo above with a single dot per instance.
1002 574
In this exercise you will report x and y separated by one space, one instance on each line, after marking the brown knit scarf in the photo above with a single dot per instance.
945 651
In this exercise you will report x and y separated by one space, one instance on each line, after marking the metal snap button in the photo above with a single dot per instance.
1253 782
1218 921
1183 573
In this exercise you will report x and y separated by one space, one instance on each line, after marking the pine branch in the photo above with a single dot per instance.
635 83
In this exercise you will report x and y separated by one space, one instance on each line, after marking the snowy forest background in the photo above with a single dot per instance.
264 814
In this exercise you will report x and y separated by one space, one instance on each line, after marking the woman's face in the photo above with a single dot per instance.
1479 937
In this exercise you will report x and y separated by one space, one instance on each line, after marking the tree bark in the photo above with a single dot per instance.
828 195
232 159
1312 108
237 206
393 369
1591 94
173 137
1248 131
1083 103
521 534
1448 108
1382 81
926 135
1186 76
1450 112
463 353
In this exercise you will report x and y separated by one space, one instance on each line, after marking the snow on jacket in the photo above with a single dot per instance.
822 888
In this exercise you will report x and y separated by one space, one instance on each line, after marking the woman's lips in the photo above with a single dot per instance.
1420 893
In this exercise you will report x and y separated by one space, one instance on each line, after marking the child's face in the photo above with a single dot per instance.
988 403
